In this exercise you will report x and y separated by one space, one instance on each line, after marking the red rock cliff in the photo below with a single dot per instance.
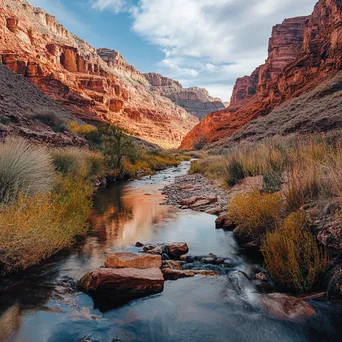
303 52
69 70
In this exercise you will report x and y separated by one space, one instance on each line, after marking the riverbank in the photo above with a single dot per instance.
47 305
197 193
284 204
46 193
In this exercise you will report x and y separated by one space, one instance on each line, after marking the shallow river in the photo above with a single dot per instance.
193 309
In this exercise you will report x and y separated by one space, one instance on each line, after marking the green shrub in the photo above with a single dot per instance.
25 169
273 180
235 172
199 144
292 256
256 213
78 162
52 120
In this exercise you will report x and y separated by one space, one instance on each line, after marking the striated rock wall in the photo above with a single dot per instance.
303 52
69 70
196 101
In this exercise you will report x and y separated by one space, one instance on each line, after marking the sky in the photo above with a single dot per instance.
205 43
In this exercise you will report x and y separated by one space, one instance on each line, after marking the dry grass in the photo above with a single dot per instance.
24 169
78 162
302 169
292 256
256 213
34 228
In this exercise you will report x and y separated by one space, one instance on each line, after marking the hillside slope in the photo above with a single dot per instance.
303 53
28 112
69 70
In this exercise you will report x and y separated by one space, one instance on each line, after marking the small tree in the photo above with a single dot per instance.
116 144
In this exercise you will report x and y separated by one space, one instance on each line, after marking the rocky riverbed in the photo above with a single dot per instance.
197 193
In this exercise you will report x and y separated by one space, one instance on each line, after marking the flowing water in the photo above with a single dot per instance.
194 309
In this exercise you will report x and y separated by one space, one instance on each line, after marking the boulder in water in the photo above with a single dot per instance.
283 307
177 249
110 286
132 260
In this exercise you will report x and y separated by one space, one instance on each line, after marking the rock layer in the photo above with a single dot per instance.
196 101
303 52
69 70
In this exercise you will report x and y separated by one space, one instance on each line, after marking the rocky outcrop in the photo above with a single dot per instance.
93 87
303 52
196 101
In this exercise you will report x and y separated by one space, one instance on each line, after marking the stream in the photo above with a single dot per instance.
209 309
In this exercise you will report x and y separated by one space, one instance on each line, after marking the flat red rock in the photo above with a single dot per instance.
132 260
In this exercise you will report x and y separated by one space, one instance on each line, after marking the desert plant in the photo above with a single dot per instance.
52 120
116 144
34 228
292 255
75 161
199 144
83 130
256 213
235 172
24 168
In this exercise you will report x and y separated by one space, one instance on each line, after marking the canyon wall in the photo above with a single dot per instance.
93 87
196 101
303 52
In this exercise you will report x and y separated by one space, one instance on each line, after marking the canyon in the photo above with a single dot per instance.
94 85
195 100
303 53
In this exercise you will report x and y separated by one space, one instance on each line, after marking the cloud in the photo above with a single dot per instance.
114 5
207 40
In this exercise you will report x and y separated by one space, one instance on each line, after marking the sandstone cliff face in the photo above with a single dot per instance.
196 101
69 70
303 52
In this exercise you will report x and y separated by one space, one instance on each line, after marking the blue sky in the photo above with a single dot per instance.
207 43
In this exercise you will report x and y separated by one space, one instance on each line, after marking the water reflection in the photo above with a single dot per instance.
196 309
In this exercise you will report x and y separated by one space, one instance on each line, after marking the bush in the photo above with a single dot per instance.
83 130
199 144
256 213
235 172
78 162
273 180
24 169
34 228
292 256
194 167
52 120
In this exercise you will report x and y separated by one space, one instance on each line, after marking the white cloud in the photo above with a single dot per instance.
208 40
114 5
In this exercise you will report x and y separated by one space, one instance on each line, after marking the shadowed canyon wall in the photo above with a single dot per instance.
303 52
